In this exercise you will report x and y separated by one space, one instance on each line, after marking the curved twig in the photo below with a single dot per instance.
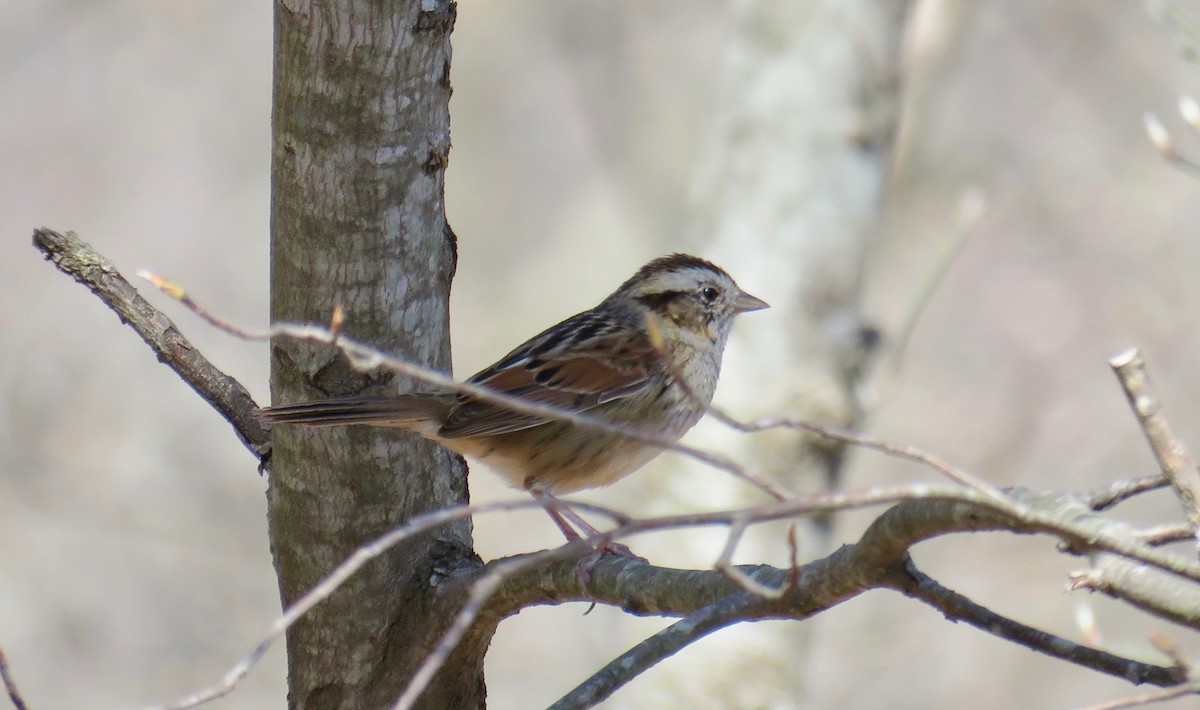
10 683
658 647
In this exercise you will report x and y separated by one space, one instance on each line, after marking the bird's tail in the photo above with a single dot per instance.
379 411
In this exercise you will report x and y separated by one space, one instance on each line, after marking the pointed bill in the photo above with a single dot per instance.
746 303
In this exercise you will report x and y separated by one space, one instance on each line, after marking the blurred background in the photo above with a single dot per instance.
133 553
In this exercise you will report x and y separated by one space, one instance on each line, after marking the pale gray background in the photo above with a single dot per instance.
133 556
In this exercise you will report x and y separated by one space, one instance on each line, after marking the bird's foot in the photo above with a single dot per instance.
583 570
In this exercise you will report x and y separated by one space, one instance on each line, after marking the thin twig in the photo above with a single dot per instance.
232 401
323 589
1169 648
1121 491
956 607
1154 696
661 645
793 580
912 453
366 357
1167 534
481 592
971 206
10 683
1173 457
901 451
725 566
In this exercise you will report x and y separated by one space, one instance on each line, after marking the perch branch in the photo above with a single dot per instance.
925 511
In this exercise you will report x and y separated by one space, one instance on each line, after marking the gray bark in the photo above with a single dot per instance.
360 137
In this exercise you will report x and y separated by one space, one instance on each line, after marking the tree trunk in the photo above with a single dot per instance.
360 136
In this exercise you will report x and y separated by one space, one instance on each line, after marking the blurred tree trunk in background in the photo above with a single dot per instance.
789 191
359 146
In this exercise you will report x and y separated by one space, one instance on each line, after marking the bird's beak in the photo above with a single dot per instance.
746 303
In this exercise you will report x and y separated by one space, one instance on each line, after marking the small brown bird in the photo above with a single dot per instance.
603 362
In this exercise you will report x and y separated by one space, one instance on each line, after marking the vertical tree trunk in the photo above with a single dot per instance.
360 138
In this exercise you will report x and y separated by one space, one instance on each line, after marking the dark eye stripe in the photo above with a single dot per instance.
660 300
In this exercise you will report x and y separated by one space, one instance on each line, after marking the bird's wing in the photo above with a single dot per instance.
583 362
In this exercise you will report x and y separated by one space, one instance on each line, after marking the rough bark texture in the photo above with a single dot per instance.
360 138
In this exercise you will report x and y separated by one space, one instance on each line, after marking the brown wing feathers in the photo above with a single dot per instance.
603 361
609 364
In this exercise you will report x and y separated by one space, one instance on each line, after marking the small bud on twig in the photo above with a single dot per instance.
1159 137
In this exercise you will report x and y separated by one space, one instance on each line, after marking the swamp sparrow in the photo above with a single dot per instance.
621 362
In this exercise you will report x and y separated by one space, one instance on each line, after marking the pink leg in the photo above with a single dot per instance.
563 517
556 513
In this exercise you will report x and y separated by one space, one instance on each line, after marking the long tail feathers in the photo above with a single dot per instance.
380 411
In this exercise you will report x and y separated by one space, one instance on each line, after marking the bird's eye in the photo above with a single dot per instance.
709 294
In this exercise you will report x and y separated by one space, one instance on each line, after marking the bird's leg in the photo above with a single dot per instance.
556 514
563 517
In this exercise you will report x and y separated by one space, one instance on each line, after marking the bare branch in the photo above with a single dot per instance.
1171 649
1150 590
901 451
1172 455
826 583
10 683
926 511
956 607
1167 534
971 207
80 261
661 645
1120 491
725 566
